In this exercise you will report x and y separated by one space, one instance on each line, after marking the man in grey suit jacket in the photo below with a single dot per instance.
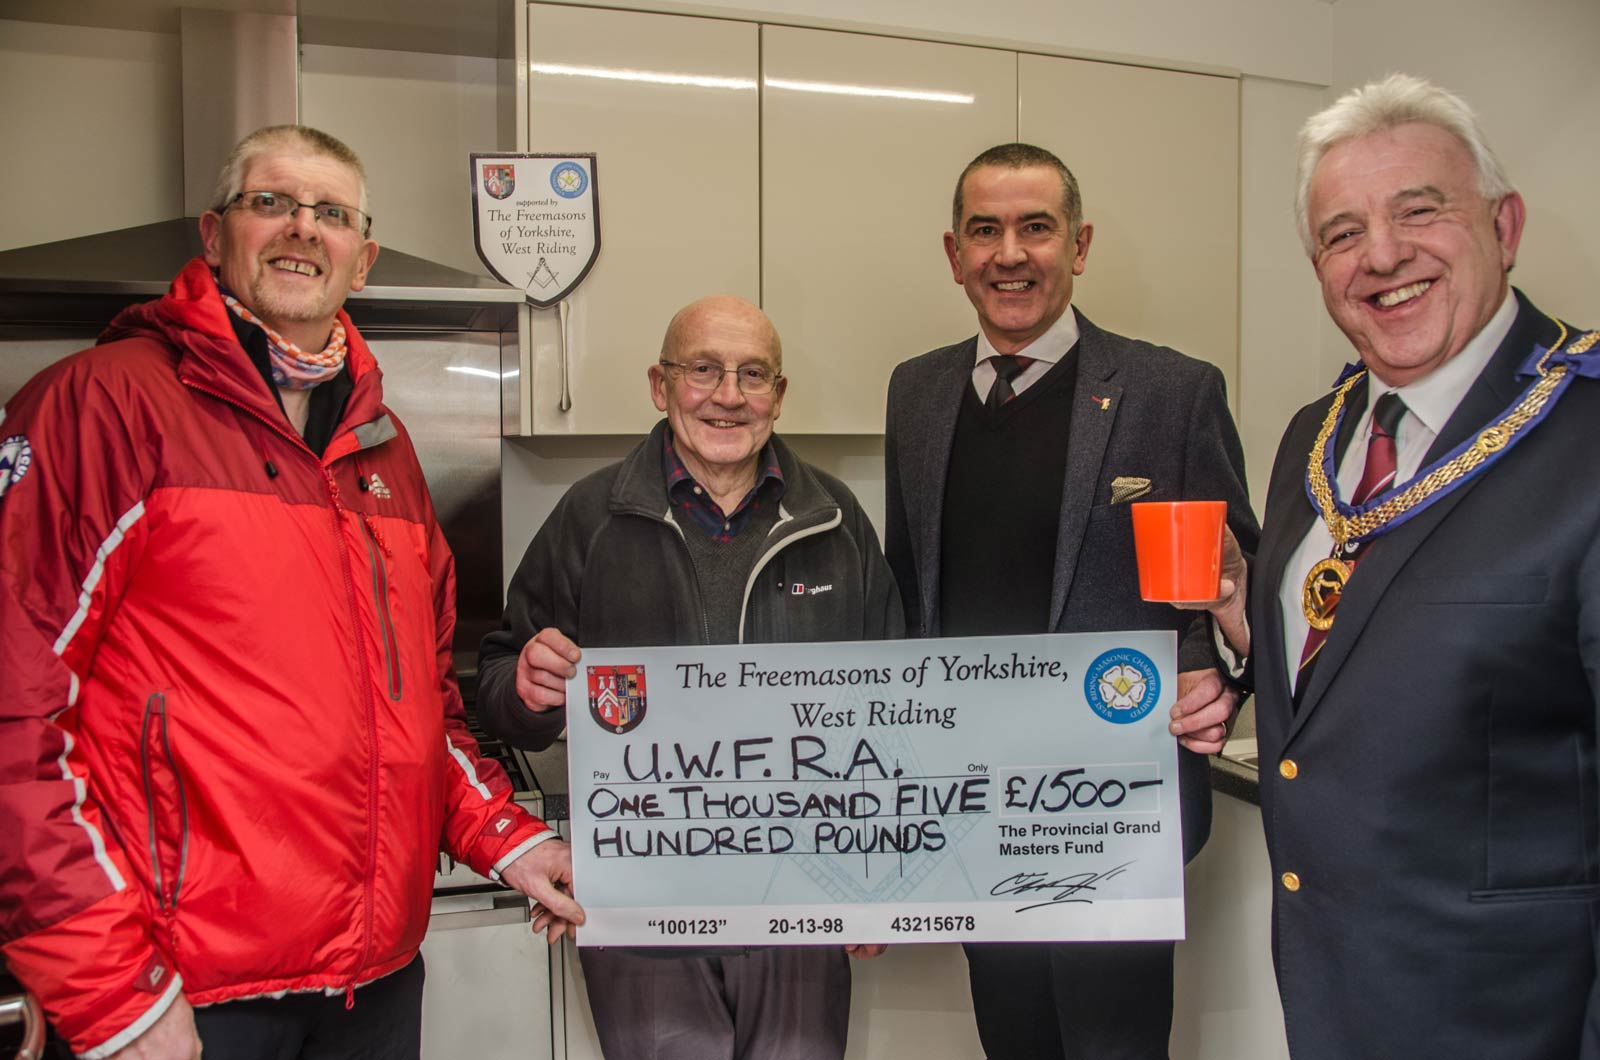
1010 461
1428 760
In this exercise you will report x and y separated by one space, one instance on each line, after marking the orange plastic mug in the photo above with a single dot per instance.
1179 547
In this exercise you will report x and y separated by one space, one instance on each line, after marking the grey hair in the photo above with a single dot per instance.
1022 156
1396 100
230 182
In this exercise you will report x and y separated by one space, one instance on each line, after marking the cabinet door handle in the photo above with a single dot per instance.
565 404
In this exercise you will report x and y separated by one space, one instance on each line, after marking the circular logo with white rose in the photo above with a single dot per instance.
568 180
1122 685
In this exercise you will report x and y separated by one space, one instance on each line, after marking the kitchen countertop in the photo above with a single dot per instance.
1234 771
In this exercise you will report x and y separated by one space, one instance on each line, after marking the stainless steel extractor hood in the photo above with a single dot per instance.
240 72
86 280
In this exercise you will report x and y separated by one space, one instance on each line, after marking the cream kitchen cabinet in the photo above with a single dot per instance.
670 107
862 139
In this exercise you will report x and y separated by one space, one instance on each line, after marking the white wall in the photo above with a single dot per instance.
1281 365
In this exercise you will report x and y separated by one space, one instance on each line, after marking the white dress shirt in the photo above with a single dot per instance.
1430 401
1045 350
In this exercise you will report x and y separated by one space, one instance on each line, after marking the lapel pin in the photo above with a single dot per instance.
1103 402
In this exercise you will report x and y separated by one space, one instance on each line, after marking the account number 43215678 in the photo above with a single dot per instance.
923 924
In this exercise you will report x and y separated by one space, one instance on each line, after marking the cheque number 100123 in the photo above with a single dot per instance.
687 926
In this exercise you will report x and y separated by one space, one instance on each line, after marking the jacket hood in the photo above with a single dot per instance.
192 317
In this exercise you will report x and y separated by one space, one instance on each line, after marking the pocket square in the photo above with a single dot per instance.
1127 488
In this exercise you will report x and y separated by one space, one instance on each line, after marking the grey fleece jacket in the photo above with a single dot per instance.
610 569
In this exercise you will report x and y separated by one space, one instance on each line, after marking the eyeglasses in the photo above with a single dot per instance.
272 204
752 379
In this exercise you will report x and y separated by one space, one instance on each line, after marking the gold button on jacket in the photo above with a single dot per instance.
1288 769
1291 882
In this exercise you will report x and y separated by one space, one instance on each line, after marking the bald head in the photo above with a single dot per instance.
692 326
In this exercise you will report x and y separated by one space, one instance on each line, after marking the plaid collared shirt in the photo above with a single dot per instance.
694 504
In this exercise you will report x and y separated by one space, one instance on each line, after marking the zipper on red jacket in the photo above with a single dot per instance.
369 882
376 550
155 706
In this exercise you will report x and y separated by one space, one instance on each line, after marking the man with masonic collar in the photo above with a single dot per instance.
1425 616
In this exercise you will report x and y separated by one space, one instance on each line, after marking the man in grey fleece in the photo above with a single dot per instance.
696 538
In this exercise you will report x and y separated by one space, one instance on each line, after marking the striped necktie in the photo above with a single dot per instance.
1005 370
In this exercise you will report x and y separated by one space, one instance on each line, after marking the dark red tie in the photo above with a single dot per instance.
1005 369
1377 475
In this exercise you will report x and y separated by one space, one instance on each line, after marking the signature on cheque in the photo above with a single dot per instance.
1076 887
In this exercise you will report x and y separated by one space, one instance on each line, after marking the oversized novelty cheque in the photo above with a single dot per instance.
972 789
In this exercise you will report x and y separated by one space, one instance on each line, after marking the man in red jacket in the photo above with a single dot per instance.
231 742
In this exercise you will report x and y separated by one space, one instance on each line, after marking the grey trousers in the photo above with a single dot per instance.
774 1003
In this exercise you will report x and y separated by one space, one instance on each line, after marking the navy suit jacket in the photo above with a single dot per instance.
1441 814
1166 420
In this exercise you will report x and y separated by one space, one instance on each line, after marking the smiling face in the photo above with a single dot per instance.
1014 254
1411 257
719 434
291 272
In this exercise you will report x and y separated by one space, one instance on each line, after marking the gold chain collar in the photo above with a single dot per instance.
1490 440
1325 582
